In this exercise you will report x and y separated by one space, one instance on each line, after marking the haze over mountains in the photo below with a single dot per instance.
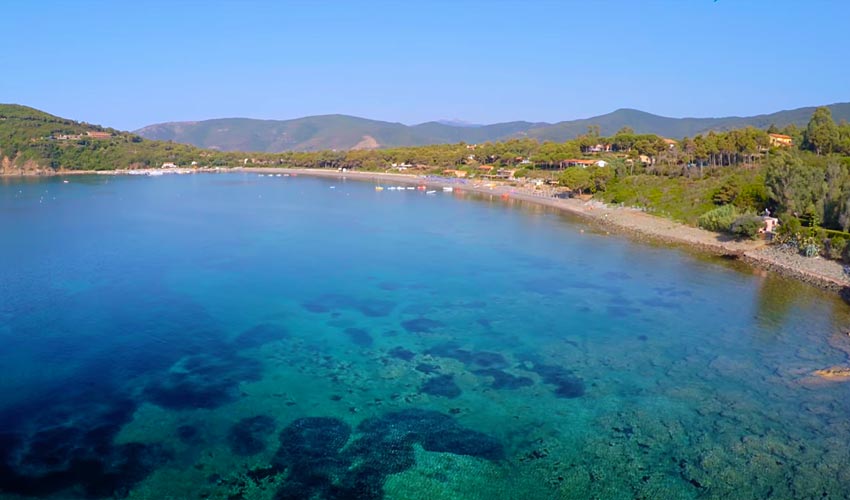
315 133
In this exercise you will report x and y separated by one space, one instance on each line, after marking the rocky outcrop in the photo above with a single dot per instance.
839 373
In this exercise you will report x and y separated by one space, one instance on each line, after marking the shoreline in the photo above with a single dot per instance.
640 224
822 273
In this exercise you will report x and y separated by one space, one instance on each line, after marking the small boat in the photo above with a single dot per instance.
421 188
448 189
278 175
410 188
431 192
391 188
333 187
64 182
379 188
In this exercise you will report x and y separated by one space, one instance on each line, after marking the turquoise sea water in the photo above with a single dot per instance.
234 336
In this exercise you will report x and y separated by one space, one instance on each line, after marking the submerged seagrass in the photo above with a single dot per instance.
238 336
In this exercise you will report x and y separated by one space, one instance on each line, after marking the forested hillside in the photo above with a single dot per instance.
316 133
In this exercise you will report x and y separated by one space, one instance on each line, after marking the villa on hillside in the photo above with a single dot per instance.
573 162
99 135
781 140
671 143
599 148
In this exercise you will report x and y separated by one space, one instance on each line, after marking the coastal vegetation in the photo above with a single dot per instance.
718 180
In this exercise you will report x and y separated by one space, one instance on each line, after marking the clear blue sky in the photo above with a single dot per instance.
129 64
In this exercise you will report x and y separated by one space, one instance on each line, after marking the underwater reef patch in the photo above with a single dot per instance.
259 335
503 379
483 359
202 381
189 435
421 325
310 453
442 385
77 457
334 302
319 465
567 384
401 353
427 368
248 436
359 336
435 431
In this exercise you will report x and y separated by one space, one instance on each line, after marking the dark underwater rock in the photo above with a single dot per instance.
189 434
310 451
482 359
435 431
320 466
359 336
427 368
202 381
312 438
333 302
248 436
567 384
402 353
421 325
503 379
66 458
443 385
259 335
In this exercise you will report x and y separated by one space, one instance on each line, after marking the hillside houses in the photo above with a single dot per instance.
77 137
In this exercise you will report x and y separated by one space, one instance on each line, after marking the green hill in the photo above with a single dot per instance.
647 123
343 132
32 140
315 133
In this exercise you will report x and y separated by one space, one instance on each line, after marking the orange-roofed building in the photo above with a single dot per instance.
577 163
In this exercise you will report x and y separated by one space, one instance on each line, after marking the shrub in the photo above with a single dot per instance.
836 247
747 226
719 219
753 196
809 246
789 230
726 193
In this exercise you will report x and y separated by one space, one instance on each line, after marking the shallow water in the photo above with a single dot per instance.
237 336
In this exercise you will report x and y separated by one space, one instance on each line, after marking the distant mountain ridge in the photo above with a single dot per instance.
344 132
